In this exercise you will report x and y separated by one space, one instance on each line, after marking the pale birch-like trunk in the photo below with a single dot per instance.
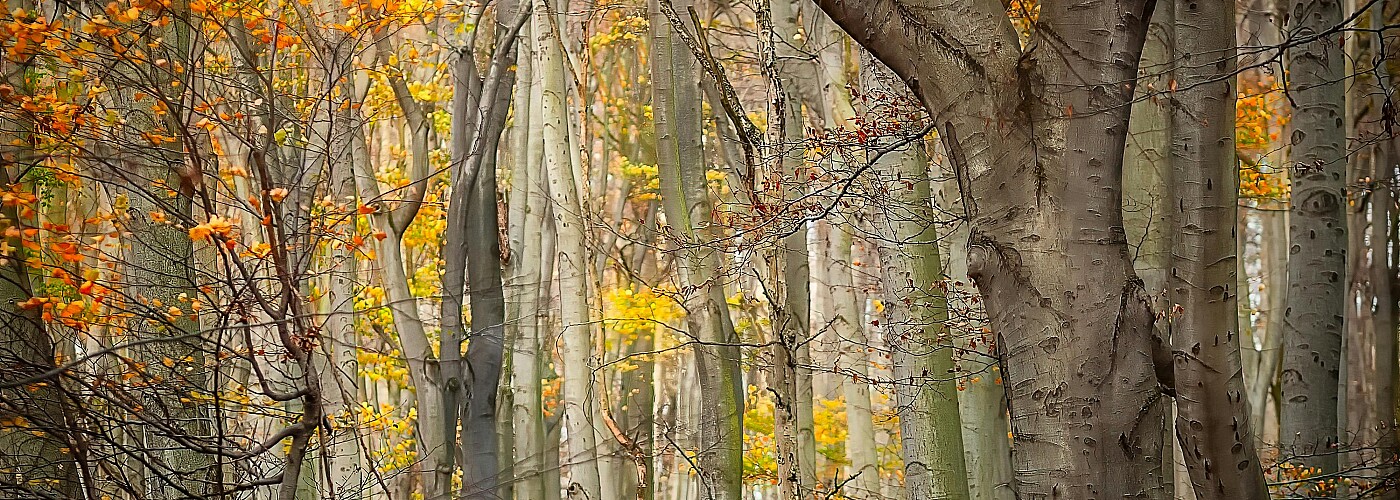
982 402
575 338
528 202
795 74
846 322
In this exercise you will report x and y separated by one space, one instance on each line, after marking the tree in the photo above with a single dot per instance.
1036 137
688 207
1317 233
1212 420
576 339
916 306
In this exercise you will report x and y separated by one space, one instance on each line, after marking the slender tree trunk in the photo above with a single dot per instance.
1317 255
793 71
38 459
576 338
1274 270
1147 200
847 324
686 200
527 207
848 328
982 400
1212 420
916 310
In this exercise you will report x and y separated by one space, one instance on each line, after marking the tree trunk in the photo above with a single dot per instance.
982 401
794 74
1212 420
686 199
576 338
1037 141
1317 232
528 202
37 457
916 309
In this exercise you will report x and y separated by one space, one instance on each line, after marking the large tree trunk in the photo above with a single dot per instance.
1317 254
686 199
1212 420
1037 142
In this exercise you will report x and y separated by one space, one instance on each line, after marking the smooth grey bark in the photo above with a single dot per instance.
982 402
1147 197
1036 138
1317 232
688 206
423 369
1387 323
472 255
846 324
794 75
1273 263
916 308
576 349
528 203
1212 421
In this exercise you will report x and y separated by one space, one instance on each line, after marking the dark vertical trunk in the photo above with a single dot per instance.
474 257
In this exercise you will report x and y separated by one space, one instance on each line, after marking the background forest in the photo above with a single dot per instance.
699 249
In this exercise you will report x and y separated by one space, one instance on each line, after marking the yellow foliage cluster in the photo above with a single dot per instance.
629 29
630 310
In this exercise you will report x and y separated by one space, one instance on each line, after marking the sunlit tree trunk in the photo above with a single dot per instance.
576 338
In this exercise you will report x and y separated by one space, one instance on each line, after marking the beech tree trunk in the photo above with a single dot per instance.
576 338
1317 231
1212 421
916 313
686 199
1036 138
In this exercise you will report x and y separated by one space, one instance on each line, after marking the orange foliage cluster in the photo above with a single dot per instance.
1258 120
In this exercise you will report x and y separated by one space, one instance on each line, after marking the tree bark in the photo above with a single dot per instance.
1317 232
1212 420
916 307
1037 138
686 200
576 338
527 207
